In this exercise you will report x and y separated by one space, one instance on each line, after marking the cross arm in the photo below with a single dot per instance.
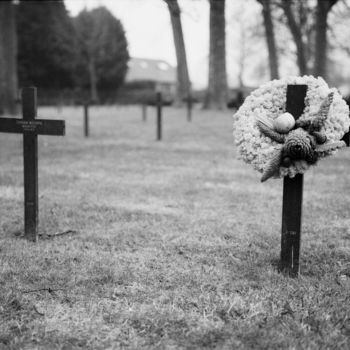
346 138
36 126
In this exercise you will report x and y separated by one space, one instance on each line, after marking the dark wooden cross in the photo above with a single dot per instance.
189 101
86 119
31 127
159 104
144 112
293 195
346 138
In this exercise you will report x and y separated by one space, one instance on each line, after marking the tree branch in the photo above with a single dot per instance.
297 35
270 38
174 8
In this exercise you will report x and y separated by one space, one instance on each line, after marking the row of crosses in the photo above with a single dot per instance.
31 127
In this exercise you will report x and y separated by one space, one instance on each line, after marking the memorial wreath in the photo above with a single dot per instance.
274 142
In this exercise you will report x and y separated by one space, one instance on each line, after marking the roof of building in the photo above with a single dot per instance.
145 69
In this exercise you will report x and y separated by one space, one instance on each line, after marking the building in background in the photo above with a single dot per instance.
147 76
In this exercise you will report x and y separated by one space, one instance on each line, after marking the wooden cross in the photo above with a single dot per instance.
159 103
86 119
293 195
144 112
189 103
346 138
31 128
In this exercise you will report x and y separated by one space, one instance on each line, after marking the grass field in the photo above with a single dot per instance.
173 244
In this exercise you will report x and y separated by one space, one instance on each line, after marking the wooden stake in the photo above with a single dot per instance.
159 116
144 112
189 108
291 224
30 161
292 196
86 119
346 138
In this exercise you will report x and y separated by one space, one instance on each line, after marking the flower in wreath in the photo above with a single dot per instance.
274 143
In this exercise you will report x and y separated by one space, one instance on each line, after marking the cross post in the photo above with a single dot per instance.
86 119
346 138
292 196
31 127
30 162
159 115
144 112
189 107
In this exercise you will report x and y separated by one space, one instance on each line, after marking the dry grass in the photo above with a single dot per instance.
176 242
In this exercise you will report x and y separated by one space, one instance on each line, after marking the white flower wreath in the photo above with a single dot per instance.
264 105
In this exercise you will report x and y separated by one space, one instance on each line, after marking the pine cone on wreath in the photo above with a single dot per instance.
305 143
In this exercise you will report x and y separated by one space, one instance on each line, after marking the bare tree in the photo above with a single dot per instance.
8 58
322 10
296 31
307 23
242 53
270 38
338 24
183 80
216 96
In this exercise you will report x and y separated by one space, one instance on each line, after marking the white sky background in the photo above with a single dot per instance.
149 33
148 29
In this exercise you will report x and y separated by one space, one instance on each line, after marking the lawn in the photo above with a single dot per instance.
168 245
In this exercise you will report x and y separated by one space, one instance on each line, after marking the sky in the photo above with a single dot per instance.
148 29
149 33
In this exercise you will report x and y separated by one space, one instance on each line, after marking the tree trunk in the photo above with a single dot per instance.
183 88
242 53
216 96
270 38
93 80
8 59
297 36
322 10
